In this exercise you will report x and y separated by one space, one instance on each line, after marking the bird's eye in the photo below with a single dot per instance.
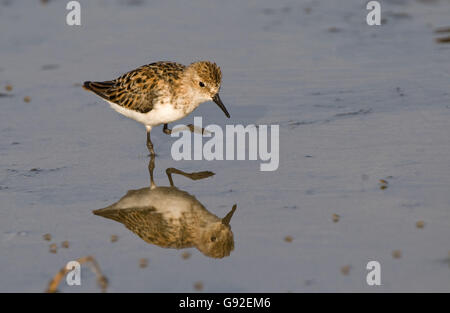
213 238
201 84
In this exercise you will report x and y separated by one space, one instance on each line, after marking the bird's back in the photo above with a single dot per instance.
137 89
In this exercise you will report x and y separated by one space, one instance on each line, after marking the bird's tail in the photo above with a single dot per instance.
108 212
99 88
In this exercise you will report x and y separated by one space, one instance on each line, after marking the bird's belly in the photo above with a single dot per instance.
161 114
169 201
166 113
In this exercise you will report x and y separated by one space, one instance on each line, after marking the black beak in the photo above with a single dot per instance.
217 100
226 220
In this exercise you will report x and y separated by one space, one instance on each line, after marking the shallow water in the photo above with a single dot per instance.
355 104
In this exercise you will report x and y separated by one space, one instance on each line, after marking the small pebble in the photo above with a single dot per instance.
396 254
198 286
53 248
420 224
47 237
65 244
336 218
143 263
27 99
345 270
186 255
288 239
114 238
383 184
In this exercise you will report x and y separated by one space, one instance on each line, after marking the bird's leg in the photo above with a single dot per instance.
193 176
166 129
149 143
151 167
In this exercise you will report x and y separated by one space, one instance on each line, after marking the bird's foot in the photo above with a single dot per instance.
167 130
193 129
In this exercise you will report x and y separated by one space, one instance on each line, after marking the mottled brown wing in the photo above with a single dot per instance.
148 224
126 92
137 90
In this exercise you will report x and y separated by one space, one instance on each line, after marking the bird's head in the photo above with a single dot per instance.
205 78
217 239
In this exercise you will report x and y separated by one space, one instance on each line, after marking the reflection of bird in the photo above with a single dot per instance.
161 92
172 218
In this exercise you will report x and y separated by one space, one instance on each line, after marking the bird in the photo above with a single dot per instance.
172 218
161 92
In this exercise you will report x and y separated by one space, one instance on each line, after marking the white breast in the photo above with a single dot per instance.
161 114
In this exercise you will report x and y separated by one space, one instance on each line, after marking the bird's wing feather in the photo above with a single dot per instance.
137 89
147 223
